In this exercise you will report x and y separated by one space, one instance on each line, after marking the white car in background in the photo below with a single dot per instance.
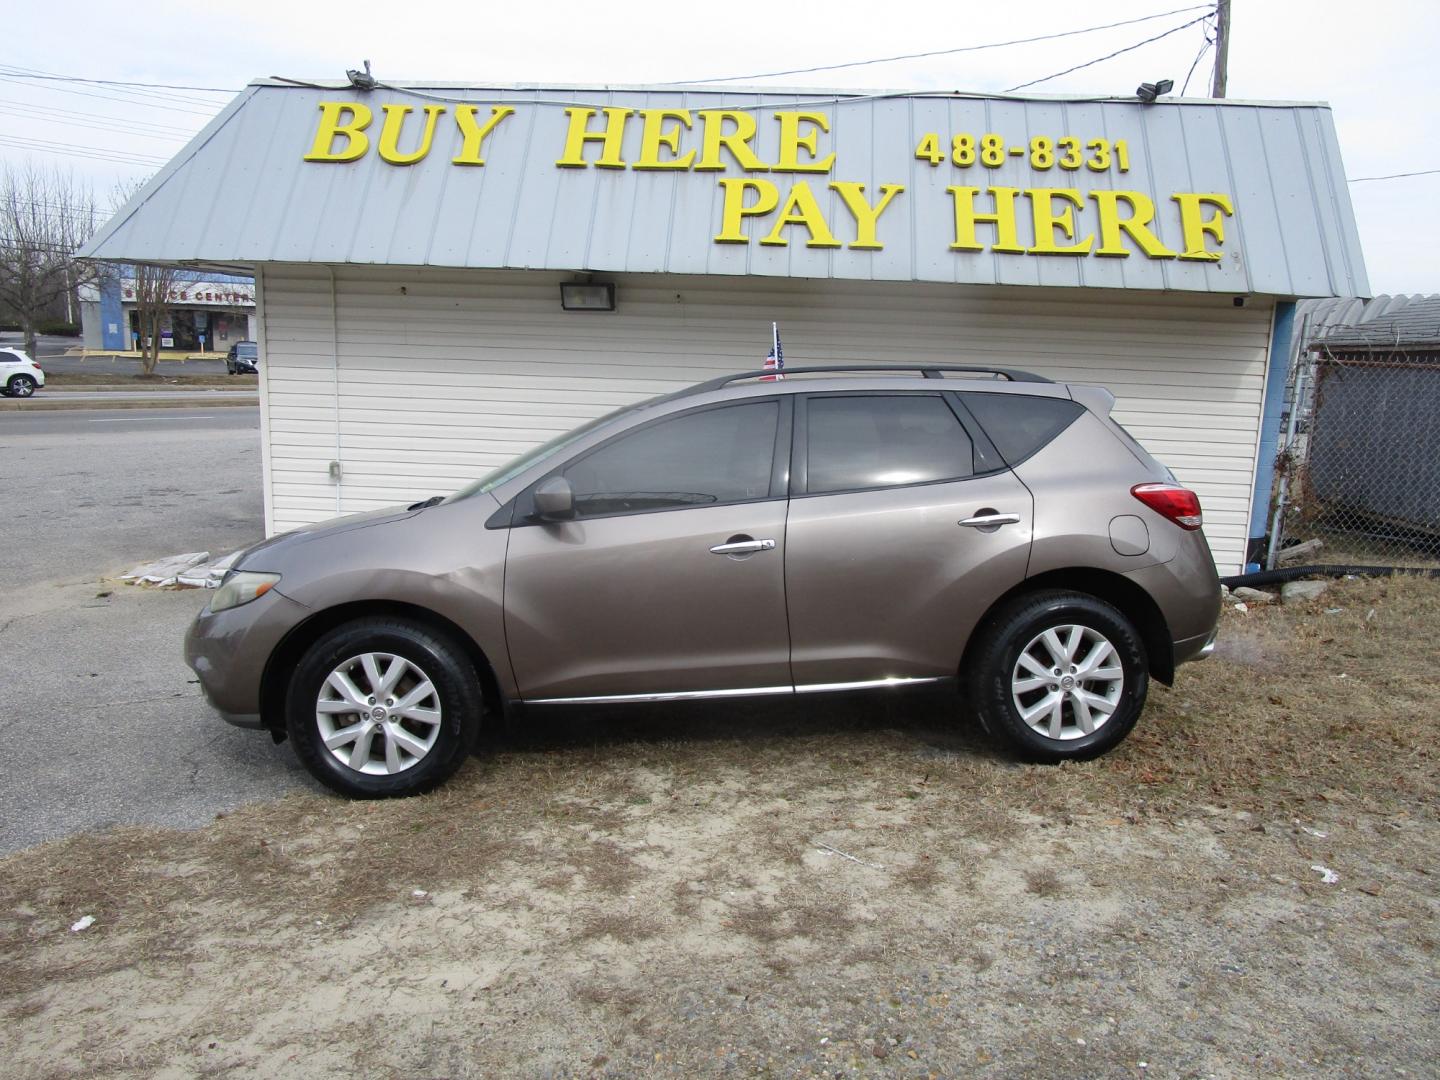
19 375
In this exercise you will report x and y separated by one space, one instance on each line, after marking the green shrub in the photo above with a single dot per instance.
59 328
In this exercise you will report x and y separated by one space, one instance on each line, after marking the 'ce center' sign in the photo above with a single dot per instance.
341 137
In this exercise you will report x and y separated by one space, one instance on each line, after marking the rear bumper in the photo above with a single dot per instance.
1195 648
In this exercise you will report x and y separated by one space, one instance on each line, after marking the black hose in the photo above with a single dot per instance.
1292 573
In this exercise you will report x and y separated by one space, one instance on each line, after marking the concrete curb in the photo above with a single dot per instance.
31 405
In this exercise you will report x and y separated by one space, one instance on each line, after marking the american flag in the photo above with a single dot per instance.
776 360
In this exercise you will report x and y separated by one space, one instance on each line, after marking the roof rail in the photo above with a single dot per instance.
929 371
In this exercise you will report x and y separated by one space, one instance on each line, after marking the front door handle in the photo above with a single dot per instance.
988 519
742 547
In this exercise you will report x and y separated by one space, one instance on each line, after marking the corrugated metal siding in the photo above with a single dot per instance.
241 193
460 371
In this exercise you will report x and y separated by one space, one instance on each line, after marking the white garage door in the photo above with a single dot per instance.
417 381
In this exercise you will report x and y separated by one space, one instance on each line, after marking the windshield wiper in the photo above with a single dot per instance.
428 502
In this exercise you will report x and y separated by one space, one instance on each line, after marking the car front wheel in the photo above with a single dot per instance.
383 708
20 386
1059 676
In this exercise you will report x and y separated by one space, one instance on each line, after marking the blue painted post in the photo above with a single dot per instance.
1277 370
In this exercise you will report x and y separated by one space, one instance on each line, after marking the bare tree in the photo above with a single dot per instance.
45 215
153 284
153 287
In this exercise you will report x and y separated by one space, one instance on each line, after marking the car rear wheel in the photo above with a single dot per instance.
1058 676
383 708
20 386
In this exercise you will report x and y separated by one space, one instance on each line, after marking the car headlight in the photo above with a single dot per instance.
241 587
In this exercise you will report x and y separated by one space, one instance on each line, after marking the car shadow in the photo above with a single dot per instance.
932 718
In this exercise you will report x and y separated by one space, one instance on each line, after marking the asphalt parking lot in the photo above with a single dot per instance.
106 726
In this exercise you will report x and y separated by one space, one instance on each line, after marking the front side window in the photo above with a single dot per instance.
858 441
703 458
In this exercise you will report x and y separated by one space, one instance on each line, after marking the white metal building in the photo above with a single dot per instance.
408 247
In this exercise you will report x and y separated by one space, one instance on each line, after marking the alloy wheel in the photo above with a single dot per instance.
378 713
1067 682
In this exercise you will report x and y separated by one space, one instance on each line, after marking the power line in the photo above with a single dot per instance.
1392 176
107 97
939 52
46 146
1205 30
47 111
119 82
114 86
1108 56
134 133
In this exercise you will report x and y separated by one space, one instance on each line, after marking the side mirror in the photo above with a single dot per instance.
555 500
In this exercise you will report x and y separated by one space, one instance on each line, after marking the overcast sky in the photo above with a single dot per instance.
1373 62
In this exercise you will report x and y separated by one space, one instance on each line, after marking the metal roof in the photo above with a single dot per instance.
1383 322
241 194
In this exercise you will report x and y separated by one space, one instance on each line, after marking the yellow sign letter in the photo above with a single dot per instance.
333 122
801 209
1137 225
865 215
1195 227
474 134
737 141
1003 219
792 142
767 197
1047 220
655 135
395 123
610 139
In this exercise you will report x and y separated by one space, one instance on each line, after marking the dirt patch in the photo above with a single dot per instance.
847 887
110 380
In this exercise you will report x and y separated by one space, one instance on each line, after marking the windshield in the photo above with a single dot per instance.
247 351
516 466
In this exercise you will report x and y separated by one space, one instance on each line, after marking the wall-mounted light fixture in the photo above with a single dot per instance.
587 296
1148 92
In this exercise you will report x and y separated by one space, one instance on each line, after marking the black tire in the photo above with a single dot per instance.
20 386
993 663
456 691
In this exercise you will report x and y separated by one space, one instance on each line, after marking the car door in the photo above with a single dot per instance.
670 579
904 527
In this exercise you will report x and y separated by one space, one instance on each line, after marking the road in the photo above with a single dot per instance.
101 719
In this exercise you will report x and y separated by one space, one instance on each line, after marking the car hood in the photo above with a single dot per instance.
257 557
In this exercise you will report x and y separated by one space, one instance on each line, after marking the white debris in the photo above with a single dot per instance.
419 894
193 570
83 923
1313 832
1327 876
1241 607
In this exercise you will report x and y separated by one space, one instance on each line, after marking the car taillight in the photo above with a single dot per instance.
36 365
1180 505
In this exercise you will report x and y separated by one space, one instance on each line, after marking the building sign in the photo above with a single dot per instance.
799 191
944 187
230 294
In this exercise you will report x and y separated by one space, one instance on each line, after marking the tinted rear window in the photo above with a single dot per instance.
858 442
249 352
1019 424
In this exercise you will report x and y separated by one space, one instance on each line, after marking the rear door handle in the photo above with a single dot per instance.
743 547
990 520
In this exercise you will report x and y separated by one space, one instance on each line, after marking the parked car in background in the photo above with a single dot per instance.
843 529
243 358
20 376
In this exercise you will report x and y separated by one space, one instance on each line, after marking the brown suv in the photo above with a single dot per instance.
842 529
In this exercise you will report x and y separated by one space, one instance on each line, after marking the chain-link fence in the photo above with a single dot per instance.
1358 476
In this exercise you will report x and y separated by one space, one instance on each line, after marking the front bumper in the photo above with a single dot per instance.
228 652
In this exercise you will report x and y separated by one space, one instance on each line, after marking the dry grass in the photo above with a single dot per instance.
145 382
657 846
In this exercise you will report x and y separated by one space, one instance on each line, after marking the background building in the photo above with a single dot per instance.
410 247
220 308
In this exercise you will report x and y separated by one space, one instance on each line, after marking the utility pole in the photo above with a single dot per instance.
1222 47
